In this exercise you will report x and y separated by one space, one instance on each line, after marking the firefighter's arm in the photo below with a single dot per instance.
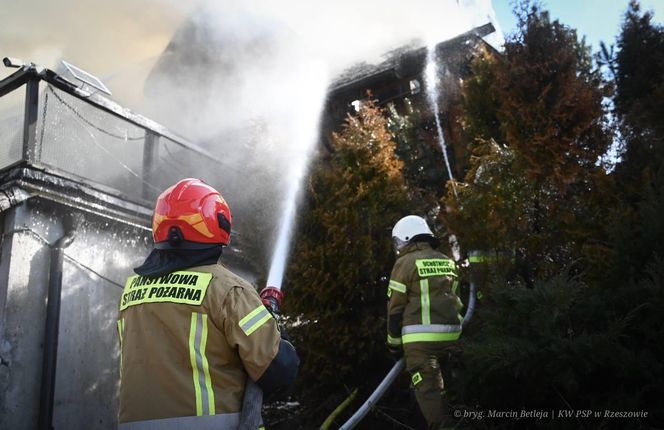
269 360
396 291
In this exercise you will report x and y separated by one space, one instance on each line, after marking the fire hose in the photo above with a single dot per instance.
250 417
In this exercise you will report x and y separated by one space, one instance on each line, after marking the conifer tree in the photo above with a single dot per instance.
535 119
342 259
587 340
639 101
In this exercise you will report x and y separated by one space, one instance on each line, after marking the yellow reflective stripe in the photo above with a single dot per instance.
121 331
425 301
431 328
389 292
393 341
416 378
490 258
121 336
194 367
455 286
199 364
479 259
436 267
206 367
430 337
183 287
482 259
397 286
254 319
460 304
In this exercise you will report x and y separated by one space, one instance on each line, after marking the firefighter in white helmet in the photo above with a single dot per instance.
423 312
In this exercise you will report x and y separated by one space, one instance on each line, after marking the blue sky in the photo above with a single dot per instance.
598 20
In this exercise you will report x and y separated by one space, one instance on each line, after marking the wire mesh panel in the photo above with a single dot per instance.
172 164
12 108
78 138
175 162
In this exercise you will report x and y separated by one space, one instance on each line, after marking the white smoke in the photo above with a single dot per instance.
119 40
251 83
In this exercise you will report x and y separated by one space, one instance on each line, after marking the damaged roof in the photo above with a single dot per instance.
405 60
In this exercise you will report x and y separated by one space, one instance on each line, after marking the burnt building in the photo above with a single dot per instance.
78 178
401 76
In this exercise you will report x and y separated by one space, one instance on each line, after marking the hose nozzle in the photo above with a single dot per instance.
272 297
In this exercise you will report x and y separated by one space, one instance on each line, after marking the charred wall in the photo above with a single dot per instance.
104 250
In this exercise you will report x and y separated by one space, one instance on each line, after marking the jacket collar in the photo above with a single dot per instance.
162 261
412 247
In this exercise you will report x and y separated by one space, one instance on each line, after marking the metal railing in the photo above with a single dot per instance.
75 129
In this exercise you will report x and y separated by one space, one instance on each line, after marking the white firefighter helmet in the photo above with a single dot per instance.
407 228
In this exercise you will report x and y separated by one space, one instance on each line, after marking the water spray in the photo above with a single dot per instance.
272 295
303 133
431 78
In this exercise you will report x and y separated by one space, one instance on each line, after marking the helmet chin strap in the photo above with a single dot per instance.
398 244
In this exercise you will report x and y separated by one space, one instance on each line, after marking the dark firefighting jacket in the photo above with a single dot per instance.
188 341
423 302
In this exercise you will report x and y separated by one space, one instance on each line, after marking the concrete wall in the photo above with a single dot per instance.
87 368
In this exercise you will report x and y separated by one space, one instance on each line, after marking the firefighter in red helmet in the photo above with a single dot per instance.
191 332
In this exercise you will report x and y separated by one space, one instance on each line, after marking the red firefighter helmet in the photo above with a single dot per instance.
191 213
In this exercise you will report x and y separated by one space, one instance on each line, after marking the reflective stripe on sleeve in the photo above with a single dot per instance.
397 286
199 365
254 319
477 259
485 259
393 341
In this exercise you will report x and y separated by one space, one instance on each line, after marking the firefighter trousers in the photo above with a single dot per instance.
423 365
